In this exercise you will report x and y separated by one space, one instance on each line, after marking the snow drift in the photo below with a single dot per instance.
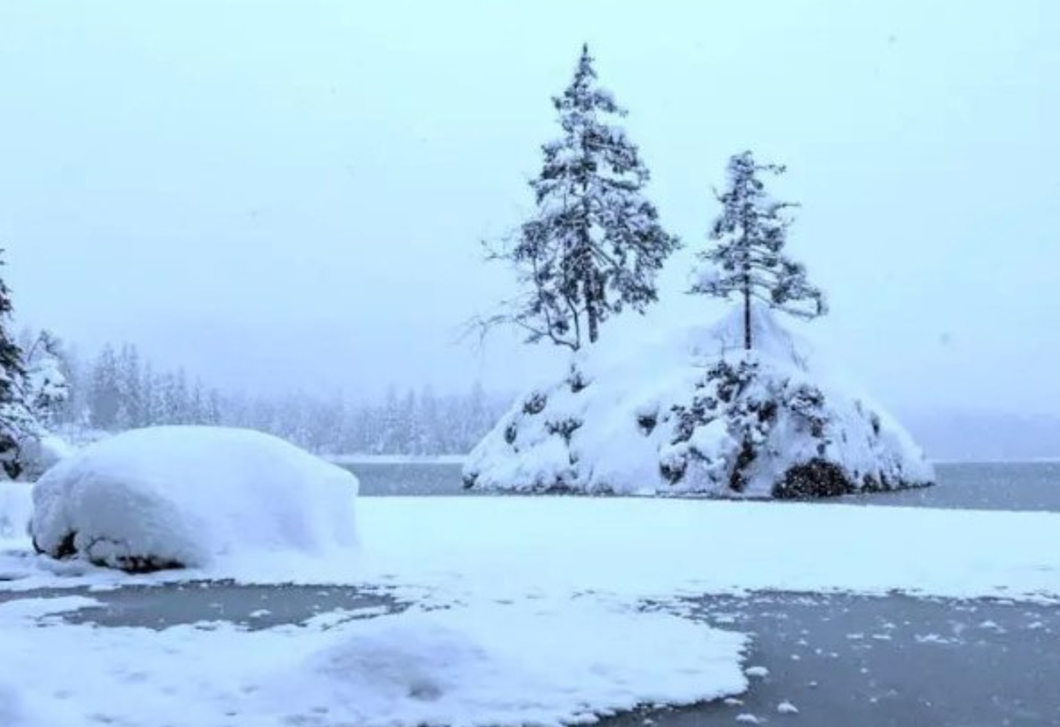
692 413
184 496
524 663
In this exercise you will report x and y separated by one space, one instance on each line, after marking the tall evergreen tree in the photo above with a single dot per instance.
595 244
16 422
749 259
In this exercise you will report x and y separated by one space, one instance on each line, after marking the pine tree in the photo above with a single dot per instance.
130 380
16 422
595 244
749 259
105 393
47 387
388 438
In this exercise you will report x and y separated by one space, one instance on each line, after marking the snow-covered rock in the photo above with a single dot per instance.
185 496
691 412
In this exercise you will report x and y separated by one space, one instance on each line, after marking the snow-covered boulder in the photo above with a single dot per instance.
185 496
692 413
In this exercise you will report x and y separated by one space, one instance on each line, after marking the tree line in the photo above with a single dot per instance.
119 389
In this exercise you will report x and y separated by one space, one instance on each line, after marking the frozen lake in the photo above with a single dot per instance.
877 661
840 659
980 486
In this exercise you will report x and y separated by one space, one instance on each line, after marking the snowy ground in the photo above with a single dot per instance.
514 547
526 609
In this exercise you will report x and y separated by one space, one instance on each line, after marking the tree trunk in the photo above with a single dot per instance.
590 309
747 318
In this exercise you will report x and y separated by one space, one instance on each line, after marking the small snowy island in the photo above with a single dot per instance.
741 408
696 414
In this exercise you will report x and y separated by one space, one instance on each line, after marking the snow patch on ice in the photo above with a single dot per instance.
35 608
526 663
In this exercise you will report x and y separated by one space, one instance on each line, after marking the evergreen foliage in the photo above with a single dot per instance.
594 244
748 260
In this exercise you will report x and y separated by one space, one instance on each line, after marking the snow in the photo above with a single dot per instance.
526 663
191 496
16 505
522 614
634 548
787 707
653 416
44 452
759 672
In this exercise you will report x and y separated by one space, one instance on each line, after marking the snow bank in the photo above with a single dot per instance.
481 664
187 496
691 412
655 548
517 547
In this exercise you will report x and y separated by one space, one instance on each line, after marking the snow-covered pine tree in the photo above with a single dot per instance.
749 259
47 386
594 245
16 422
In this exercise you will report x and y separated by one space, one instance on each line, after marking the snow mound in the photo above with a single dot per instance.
498 665
692 413
187 496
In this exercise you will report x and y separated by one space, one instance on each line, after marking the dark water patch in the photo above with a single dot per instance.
251 607
1027 486
413 478
890 661
893 661
1017 486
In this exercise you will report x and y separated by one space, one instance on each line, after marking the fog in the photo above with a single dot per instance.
281 195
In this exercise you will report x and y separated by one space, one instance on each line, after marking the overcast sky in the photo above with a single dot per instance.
292 194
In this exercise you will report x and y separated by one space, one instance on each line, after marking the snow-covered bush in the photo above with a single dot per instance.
695 413
184 496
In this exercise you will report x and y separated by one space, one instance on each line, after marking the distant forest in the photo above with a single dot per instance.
119 389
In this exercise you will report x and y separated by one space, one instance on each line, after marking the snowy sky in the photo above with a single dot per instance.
282 194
